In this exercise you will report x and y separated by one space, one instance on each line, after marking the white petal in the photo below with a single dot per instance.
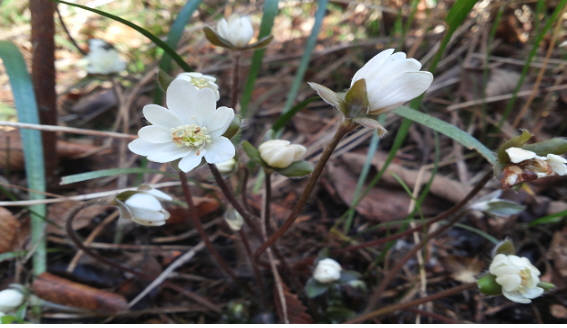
141 147
222 28
189 162
533 292
155 134
220 150
557 164
158 115
159 194
509 282
180 98
167 152
372 65
518 155
402 89
516 297
143 201
218 121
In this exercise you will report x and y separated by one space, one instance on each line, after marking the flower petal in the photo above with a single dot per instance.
142 147
189 162
374 64
220 150
404 88
167 152
155 134
143 201
158 115
509 282
518 155
159 194
533 292
516 297
219 120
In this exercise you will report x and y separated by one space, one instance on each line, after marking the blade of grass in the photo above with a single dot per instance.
270 12
24 99
284 118
479 232
551 218
80 177
157 41
309 46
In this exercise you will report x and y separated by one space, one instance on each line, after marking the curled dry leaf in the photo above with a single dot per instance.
62 291
296 311
9 226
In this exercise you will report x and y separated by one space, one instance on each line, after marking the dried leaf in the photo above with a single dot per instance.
62 291
296 311
9 226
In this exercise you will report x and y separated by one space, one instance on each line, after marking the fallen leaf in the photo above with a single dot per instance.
9 226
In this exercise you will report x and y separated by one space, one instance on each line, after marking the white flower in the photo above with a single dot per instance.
10 300
190 129
144 207
518 155
103 58
280 153
327 270
517 276
226 166
201 81
557 164
237 30
392 79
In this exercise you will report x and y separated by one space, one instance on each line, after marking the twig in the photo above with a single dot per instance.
397 307
65 129
343 129
235 80
197 223
66 30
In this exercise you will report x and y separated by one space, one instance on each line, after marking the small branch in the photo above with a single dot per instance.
235 80
69 36
388 277
257 274
197 223
344 128
65 129
397 307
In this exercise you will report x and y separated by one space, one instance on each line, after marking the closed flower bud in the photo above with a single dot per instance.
280 153
10 299
103 58
143 206
327 271
237 30
226 166
517 276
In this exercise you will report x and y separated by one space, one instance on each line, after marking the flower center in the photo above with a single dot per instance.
525 275
199 82
191 136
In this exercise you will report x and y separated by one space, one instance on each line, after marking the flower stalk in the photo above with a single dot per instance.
235 79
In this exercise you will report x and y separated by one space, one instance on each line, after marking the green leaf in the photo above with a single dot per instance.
252 152
505 247
487 285
548 219
157 41
260 44
447 129
296 169
313 288
270 12
504 208
555 146
11 255
517 141
106 173
547 286
163 80
24 99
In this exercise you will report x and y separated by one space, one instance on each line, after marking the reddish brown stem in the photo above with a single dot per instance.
235 80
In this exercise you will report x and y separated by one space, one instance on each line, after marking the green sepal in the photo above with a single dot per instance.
252 152
356 100
216 39
517 141
164 79
123 196
504 208
313 288
233 128
547 286
296 169
262 43
557 146
505 247
488 286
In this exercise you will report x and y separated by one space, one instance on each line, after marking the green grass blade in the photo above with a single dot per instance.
157 41
12 255
80 177
24 99
282 120
311 41
551 218
270 12
479 232
447 129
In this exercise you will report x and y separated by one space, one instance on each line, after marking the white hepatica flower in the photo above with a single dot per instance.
189 130
237 30
103 58
144 207
557 164
517 276
280 153
201 81
10 300
327 271
518 155
392 79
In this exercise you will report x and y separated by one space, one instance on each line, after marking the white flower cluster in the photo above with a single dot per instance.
517 276
527 165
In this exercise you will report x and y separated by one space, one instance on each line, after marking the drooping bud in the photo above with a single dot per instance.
327 271
143 206
280 153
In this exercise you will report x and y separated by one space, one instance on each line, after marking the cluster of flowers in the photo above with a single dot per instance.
527 166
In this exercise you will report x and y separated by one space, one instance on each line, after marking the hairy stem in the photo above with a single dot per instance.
197 223
341 132
397 307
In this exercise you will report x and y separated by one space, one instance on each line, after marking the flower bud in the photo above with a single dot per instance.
10 299
233 219
280 153
103 58
143 206
201 81
226 166
517 276
327 271
237 30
